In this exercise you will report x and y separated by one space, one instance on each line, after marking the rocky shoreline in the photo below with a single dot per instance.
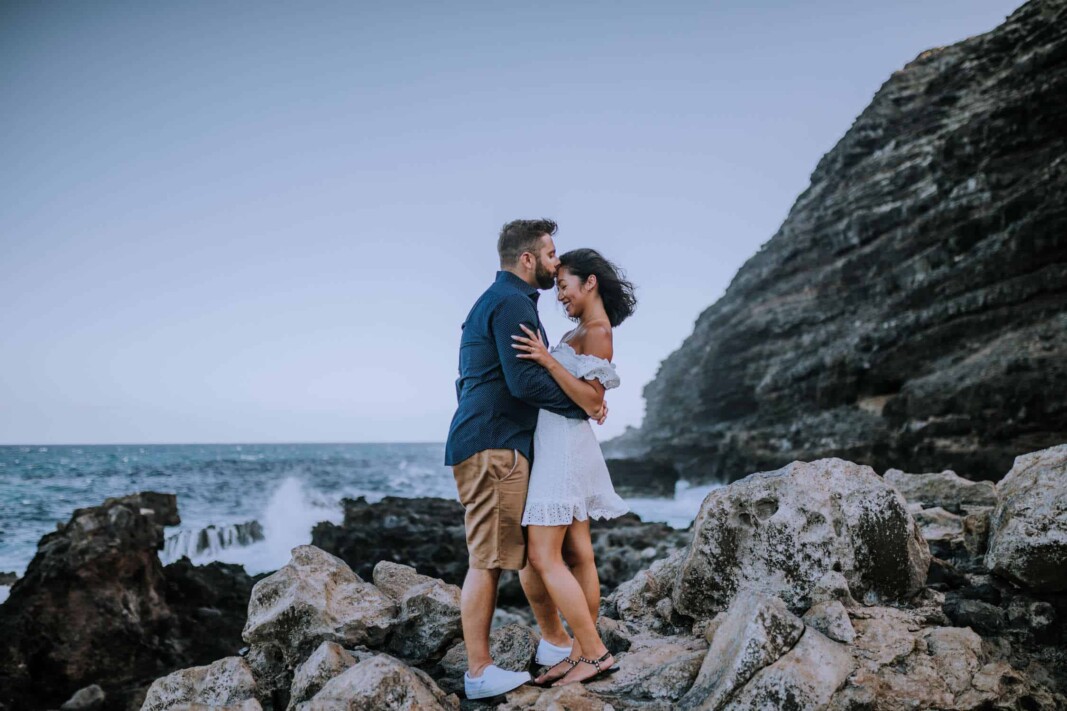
819 585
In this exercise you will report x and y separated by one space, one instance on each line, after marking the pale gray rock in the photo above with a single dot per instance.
314 598
512 647
944 489
756 631
654 667
429 611
226 682
640 599
937 524
327 661
805 677
382 683
87 699
831 618
573 697
1028 528
780 532
976 531
832 586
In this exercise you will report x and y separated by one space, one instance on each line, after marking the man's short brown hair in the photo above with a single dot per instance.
520 236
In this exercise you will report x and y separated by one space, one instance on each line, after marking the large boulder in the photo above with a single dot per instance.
944 489
314 598
755 632
653 668
227 682
429 611
1028 528
327 661
382 683
781 532
512 647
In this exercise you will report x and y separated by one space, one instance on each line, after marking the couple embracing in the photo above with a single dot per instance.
528 467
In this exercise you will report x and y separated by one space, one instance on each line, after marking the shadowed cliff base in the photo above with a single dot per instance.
911 311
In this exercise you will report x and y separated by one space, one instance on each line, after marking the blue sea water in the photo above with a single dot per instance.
287 488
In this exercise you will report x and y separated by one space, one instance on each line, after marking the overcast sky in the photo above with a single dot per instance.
265 222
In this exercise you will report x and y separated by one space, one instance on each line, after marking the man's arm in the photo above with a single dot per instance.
526 380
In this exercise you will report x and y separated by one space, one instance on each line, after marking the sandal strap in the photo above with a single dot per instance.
596 662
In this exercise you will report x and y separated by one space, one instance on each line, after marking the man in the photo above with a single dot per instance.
490 441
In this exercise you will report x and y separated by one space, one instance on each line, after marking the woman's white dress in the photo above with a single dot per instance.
569 480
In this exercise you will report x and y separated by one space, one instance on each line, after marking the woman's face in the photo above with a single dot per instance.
572 292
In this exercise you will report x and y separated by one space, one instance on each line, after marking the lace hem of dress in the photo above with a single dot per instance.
564 513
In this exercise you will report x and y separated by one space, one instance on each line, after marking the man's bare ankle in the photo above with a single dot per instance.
475 671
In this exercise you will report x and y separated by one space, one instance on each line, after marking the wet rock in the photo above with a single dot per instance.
643 477
314 598
429 611
911 311
756 631
327 661
982 617
88 699
831 618
227 682
781 532
382 683
946 490
92 608
1028 528
805 677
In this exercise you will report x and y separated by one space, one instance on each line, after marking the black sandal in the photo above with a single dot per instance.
546 684
600 673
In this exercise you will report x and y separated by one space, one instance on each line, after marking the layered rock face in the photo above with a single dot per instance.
911 311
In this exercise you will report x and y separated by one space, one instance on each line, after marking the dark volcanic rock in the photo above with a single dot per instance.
643 477
911 311
427 534
96 606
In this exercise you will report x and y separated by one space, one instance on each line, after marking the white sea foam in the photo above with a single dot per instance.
678 512
287 521
5 590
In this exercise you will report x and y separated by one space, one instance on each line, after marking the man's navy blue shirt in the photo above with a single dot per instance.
499 394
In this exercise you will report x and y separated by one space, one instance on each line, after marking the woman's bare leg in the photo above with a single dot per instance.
578 554
545 550
544 610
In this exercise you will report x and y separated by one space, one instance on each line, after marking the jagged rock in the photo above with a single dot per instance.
428 534
93 608
314 598
756 631
636 600
780 532
805 677
1028 529
831 618
327 661
512 647
573 697
382 683
976 532
88 699
982 617
902 663
643 477
945 490
429 614
209 605
654 668
911 311
227 682
832 586
938 524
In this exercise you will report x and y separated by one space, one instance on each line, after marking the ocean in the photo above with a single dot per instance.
239 503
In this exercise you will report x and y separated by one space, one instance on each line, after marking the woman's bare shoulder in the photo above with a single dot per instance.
595 340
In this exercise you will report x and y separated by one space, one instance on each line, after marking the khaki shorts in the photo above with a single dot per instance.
492 487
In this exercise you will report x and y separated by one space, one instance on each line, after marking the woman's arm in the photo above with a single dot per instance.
588 394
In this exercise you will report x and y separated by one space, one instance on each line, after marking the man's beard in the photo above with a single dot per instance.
545 279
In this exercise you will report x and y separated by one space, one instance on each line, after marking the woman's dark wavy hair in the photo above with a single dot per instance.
617 293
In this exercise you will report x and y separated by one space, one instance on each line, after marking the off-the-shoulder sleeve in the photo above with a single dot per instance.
590 367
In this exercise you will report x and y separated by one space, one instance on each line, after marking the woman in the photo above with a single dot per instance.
569 482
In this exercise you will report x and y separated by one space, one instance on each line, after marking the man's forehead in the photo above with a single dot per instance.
546 242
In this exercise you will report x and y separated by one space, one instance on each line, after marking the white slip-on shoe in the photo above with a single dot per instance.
549 654
494 681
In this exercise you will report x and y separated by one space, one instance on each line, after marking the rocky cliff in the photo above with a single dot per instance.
912 308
